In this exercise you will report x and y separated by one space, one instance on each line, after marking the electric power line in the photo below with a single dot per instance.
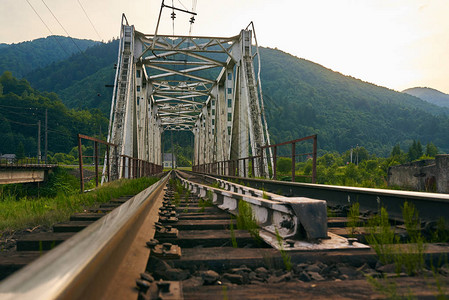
60 45
20 123
89 19
73 41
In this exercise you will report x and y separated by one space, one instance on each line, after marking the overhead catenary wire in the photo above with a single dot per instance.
68 35
48 28
91 23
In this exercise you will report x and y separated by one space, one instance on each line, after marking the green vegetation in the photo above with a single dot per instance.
353 218
24 57
412 258
382 237
233 239
408 257
21 107
306 98
80 80
23 212
206 202
285 257
246 220
364 170
384 240
303 99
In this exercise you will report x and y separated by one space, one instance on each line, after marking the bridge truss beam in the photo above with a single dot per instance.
206 85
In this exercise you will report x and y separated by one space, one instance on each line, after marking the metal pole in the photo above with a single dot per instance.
244 167
314 159
116 162
96 162
38 141
108 168
252 166
172 152
80 158
46 134
275 162
123 166
293 161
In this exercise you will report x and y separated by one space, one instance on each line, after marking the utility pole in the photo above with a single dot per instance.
38 141
172 152
46 134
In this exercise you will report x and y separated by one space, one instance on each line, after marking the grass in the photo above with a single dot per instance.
247 221
381 236
233 239
24 212
353 218
285 257
410 259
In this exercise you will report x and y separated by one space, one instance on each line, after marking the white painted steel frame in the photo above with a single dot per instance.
206 85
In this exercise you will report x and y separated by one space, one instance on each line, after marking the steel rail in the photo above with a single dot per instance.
431 206
82 266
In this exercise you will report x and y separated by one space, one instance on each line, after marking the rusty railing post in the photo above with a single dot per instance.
236 167
96 162
244 167
80 157
275 162
252 167
314 159
117 167
108 165
293 161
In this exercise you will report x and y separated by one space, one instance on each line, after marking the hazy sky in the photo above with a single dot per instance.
393 43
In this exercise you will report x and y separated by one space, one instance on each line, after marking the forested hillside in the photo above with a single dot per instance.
430 95
21 107
83 69
301 98
22 58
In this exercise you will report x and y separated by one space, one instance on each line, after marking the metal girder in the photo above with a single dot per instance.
202 84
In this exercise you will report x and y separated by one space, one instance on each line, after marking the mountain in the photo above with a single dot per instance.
301 98
430 95
81 79
21 107
24 57
304 98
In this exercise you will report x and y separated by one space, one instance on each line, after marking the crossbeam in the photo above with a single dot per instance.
202 84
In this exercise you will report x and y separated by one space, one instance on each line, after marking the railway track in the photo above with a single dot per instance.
185 240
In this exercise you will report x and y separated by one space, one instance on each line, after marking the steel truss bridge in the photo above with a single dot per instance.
207 85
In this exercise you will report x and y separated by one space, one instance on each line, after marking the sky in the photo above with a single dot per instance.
397 44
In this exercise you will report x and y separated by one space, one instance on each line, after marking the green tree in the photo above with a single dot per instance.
20 152
396 150
284 165
431 150
419 150
415 151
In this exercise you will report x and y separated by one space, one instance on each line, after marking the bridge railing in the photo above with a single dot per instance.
24 162
132 167
232 167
